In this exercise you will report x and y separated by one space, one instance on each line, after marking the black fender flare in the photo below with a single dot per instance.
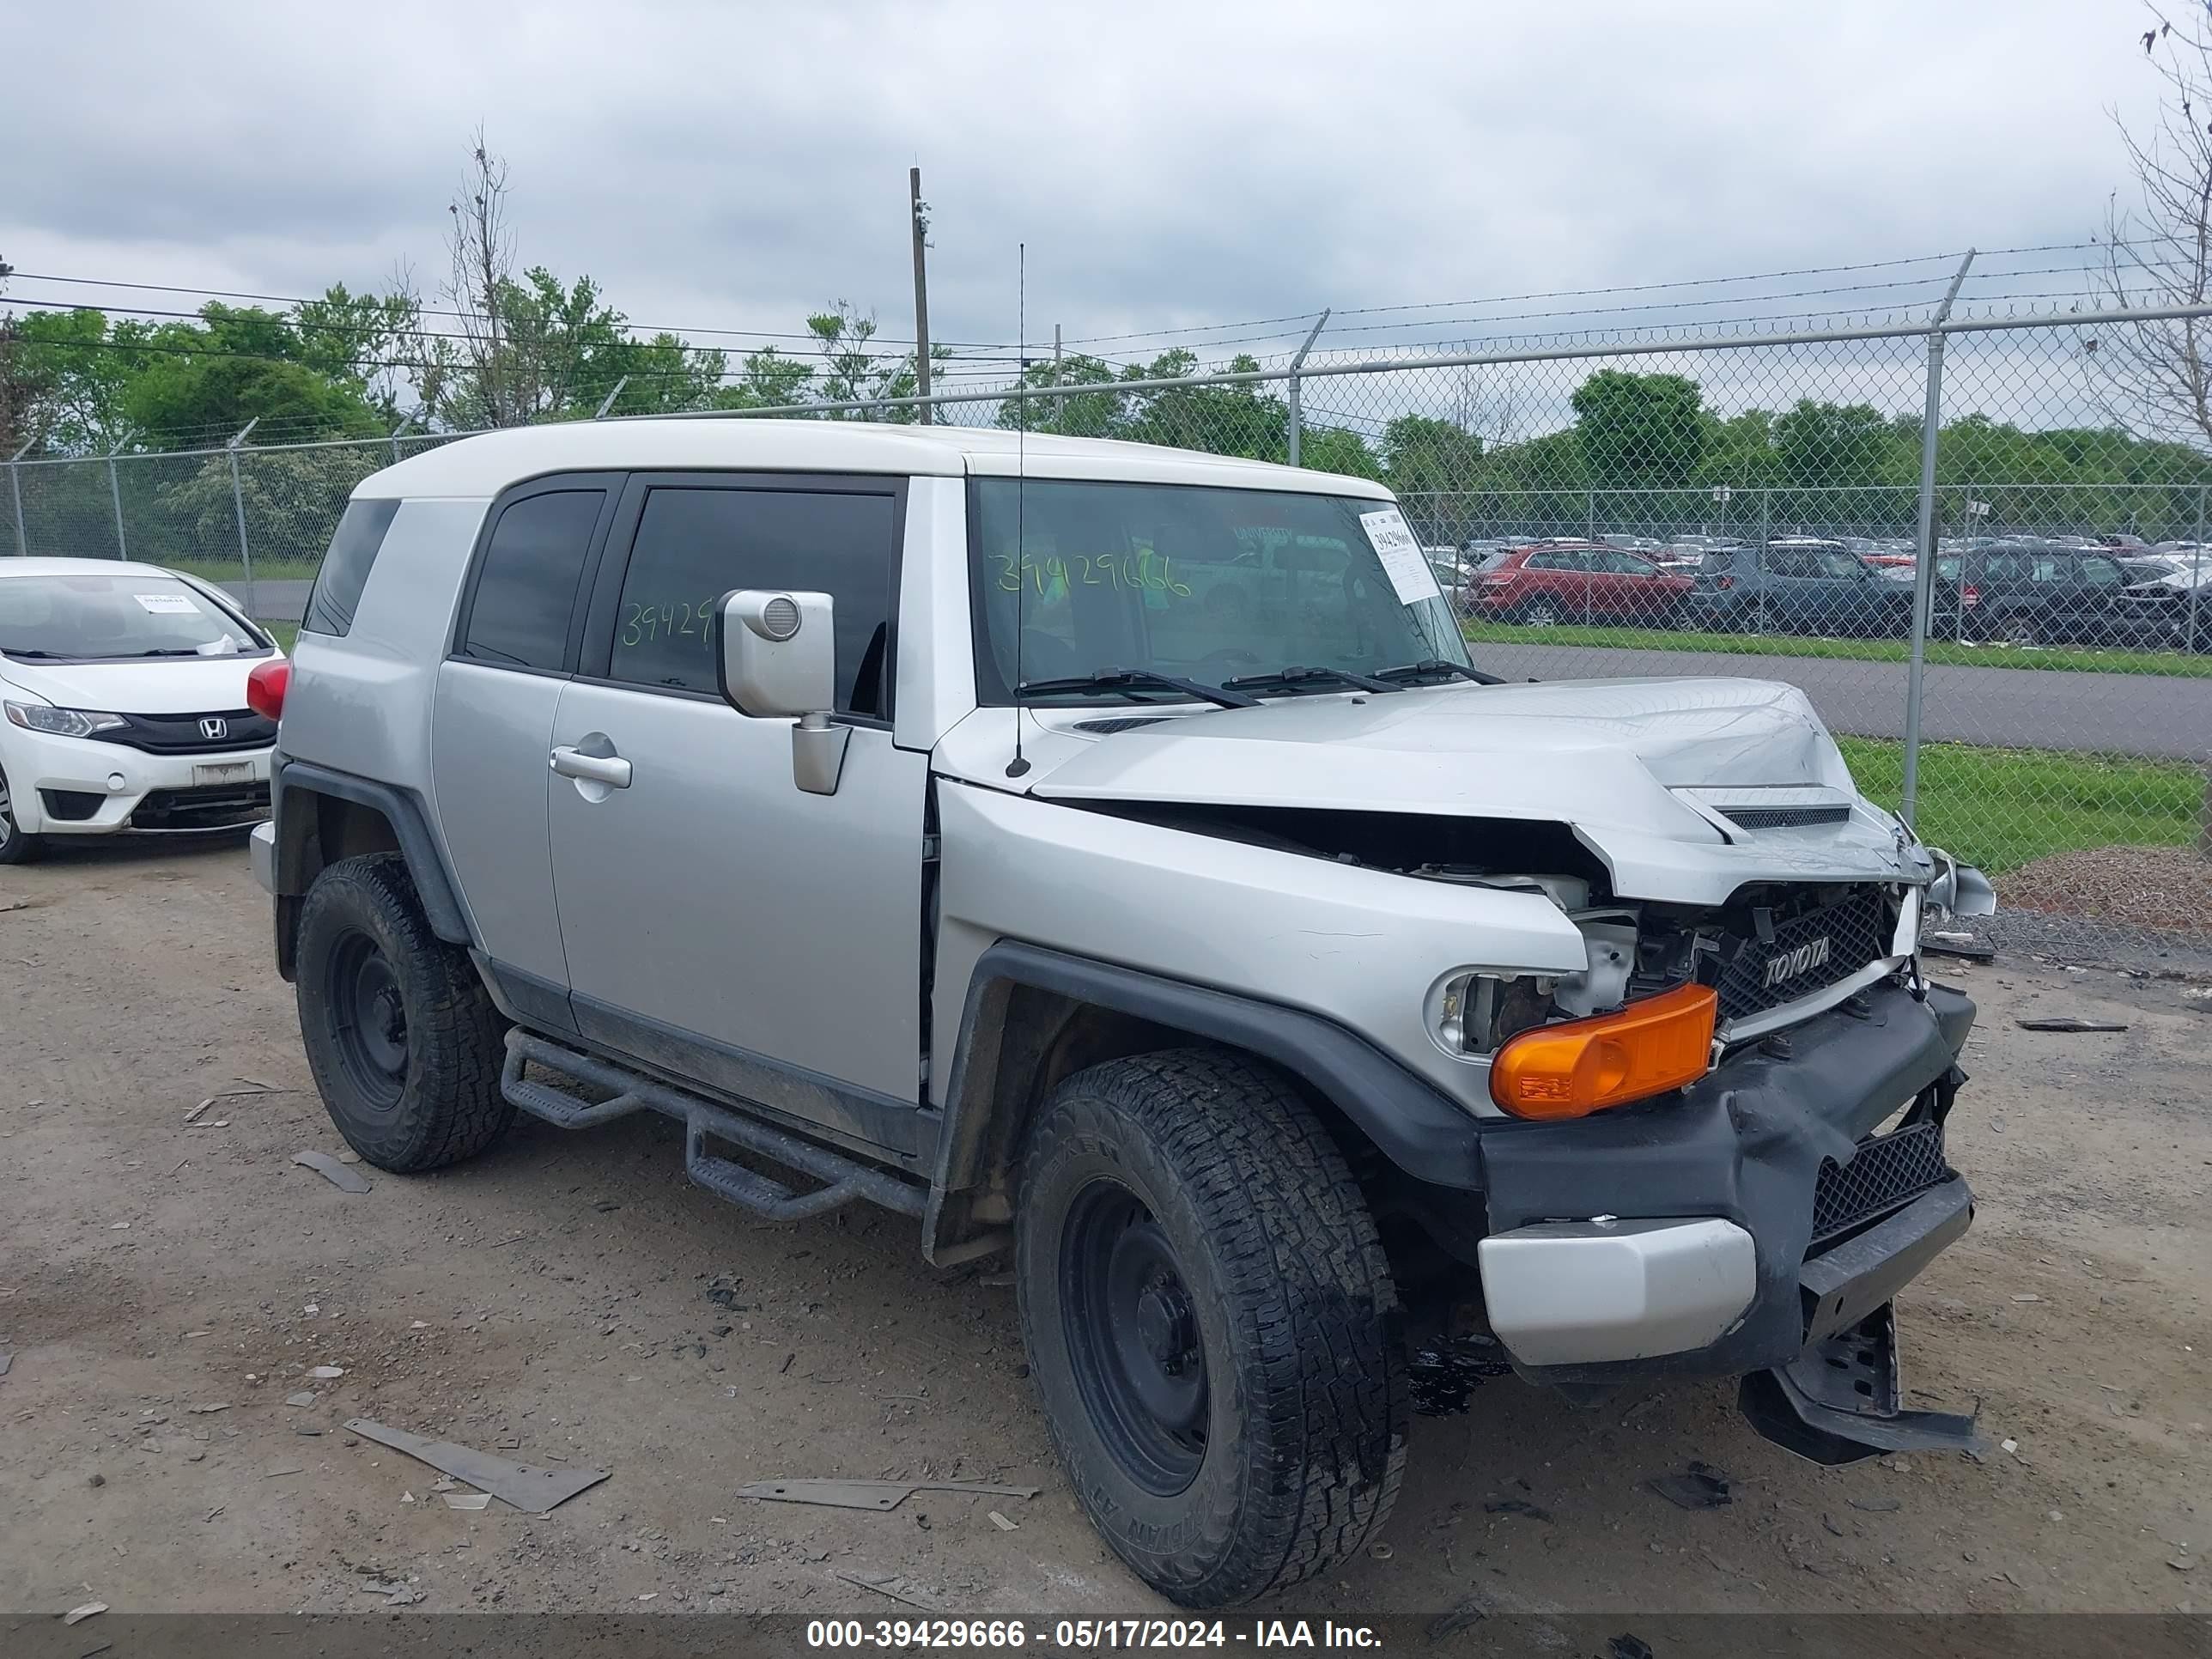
411 826
1410 1122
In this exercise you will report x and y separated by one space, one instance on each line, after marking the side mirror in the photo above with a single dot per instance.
779 659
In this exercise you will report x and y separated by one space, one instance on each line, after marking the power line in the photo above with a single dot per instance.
436 311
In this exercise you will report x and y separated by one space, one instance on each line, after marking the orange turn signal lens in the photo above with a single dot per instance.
1583 1066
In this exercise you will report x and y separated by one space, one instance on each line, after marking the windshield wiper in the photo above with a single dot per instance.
1129 679
1430 667
170 651
1290 679
42 656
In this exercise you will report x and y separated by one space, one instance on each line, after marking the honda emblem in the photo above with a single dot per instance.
214 730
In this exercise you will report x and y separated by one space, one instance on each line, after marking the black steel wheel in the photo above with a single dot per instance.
1133 1329
404 1044
1210 1324
368 1020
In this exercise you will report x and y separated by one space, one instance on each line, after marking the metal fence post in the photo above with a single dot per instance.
1923 570
1320 322
607 402
403 426
15 485
2196 585
115 494
237 506
1590 516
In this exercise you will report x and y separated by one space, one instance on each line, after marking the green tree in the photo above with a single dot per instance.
1423 455
1222 419
1639 431
1337 449
1097 414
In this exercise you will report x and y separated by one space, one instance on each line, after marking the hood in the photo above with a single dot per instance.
158 685
1635 767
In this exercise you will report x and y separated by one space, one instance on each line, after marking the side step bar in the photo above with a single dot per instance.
843 1178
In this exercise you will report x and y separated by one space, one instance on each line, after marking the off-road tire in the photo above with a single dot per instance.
1307 1407
15 846
447 1105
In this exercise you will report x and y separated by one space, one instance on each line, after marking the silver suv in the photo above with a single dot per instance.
1112 854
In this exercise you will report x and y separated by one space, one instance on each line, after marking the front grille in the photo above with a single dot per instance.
217 806
1888 1172
1783 817
1804 952
181 734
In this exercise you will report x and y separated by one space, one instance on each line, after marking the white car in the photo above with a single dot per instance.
123 704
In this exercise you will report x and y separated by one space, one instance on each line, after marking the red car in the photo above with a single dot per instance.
1577 581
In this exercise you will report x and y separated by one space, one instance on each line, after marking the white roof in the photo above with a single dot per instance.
487 464
42 567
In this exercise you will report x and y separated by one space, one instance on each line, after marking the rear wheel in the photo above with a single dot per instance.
406 1045
1539 613
2020 628
16 846
1211 1324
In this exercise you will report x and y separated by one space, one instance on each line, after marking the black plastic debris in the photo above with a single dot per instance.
1516 1506
1467 1612
1445 1374
2070 1023
1628 1646
1701 1486
1966 950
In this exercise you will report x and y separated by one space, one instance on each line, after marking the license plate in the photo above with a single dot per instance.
224 772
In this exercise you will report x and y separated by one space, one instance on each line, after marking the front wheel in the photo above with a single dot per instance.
1211 1324
1539 613
16 847
406 1045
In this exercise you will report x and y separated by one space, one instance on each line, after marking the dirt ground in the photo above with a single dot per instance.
573 1301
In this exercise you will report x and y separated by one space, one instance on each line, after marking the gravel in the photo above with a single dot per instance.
2168 889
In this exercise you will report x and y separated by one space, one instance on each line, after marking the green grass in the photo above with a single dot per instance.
2072 659
2002 808
230 570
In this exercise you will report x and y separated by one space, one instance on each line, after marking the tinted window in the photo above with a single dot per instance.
1555 562
695 545
527 587
1843 566
344 573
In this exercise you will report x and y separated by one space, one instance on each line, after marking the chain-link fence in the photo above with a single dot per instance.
1978 546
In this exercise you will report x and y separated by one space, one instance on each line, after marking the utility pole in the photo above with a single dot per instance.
1055 353
920 221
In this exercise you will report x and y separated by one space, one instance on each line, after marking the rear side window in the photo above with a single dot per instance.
337 593
526 591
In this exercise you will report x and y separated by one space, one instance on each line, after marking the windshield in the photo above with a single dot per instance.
1202 583
98 617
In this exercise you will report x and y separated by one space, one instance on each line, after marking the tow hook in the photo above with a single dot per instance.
1840 1400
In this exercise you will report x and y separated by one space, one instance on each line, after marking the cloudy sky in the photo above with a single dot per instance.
721 165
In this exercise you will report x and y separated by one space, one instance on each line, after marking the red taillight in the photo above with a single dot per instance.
265 687
1970 594
1725 582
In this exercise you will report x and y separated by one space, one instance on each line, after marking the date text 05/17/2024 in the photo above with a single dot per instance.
1087 1635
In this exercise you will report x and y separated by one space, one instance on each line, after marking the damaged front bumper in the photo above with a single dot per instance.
1754 1226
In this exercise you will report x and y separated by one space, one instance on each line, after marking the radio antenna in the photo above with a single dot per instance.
1017 767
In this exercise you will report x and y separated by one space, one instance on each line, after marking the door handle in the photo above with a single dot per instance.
610 769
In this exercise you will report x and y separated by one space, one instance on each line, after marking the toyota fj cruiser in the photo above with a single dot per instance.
1113 855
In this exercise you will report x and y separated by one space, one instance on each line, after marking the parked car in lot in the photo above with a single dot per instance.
2173 606
1575 582
2037 593
123 692
929 817
1796 585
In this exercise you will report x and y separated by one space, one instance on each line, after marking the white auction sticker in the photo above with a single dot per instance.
167 604
1403 561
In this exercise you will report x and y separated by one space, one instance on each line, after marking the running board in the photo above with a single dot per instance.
1841 1400
843 1179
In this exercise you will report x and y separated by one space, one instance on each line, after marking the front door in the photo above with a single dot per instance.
720 922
